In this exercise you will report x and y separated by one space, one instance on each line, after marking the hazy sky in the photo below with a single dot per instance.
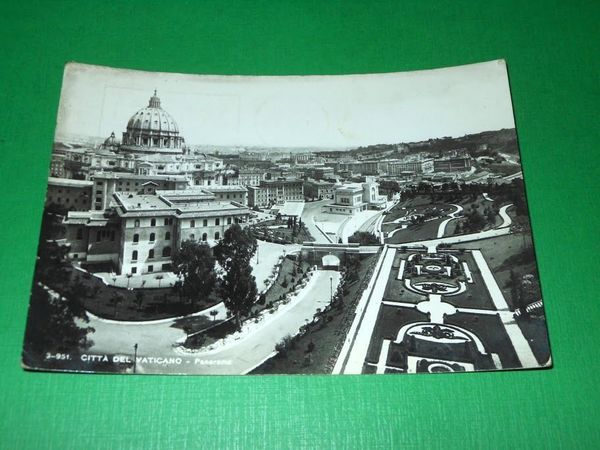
329 111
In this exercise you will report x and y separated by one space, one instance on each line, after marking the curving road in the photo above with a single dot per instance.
451 216
239 354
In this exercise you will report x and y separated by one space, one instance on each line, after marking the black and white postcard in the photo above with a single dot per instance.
356 224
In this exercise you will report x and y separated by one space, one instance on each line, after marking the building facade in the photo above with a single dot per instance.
271 192
453 164
73 195
141 232
351 198
107 183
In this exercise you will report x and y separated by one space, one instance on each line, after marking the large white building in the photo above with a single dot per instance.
140 232
350 198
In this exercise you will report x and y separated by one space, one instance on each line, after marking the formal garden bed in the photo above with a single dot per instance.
389 321
475 296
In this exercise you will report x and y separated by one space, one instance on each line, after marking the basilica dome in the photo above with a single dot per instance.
152 130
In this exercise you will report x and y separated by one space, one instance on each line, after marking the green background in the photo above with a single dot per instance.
553 57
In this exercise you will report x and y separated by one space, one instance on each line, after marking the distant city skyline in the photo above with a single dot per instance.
332 112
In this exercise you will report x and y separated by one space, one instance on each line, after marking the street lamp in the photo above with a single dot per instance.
330 289
135 347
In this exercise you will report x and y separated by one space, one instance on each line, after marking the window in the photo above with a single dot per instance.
150 268
150 253
166 267
217 221
136 238
153 223
217 236
192 236
79 234
134 270
205 223
166 252
204 237
136 224
134 255
229 221
192 223
152 237
168 236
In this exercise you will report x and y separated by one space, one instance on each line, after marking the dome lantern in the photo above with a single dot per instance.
154 101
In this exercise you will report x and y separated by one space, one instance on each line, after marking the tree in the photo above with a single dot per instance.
52 325
238 286
238 290
115 300
352 264
490 215
52 266
363 238
195 264
51 222
237 247
139 299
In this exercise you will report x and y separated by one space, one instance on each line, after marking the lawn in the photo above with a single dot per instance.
503 254
536 333
327 335
419 232
156 303
491 332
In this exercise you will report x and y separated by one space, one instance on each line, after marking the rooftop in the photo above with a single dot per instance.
138 202
350 187
226 188
134 176
68 182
